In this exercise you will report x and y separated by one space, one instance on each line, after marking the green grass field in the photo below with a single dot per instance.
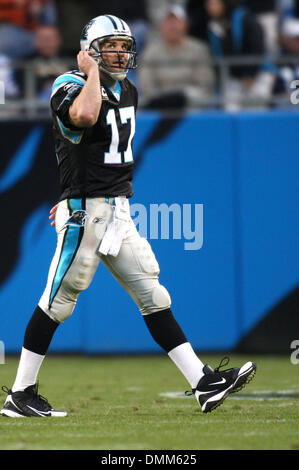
137 402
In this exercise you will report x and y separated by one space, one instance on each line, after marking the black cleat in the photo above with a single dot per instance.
28 404
215 386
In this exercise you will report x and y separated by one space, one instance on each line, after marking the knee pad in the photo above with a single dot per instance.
60 310
159 299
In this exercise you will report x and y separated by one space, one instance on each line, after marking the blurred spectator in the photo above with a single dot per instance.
47 61
287 8
289 41
176 70
132 12
265 10
18 21
267 14
233 31
289 36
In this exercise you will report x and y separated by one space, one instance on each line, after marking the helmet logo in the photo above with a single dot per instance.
86 28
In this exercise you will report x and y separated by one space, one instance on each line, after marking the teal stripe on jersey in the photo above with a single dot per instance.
69 248
66 79
72 135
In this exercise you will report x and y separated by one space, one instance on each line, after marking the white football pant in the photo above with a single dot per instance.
76 260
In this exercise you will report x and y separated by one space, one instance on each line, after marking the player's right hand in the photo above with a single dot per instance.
53 214
85 62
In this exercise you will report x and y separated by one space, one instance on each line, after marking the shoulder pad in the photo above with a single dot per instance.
78 73
74 76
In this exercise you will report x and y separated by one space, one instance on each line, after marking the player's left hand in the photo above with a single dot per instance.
53 214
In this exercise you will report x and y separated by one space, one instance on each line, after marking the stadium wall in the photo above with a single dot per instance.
227 185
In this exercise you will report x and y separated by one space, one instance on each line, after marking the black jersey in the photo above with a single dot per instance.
96 161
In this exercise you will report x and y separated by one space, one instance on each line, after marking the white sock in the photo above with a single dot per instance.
28 369
189 364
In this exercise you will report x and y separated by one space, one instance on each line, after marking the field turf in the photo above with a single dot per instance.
137 402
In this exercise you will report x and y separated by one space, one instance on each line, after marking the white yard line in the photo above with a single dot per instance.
255 395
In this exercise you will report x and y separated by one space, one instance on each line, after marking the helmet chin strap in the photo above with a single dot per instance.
116 76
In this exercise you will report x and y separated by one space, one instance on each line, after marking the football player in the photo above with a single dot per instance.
93 110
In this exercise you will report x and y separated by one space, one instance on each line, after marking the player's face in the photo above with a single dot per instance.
114 54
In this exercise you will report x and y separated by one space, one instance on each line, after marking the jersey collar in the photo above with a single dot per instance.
111 93
117 91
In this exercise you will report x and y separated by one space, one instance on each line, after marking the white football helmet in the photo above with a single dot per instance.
99 30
